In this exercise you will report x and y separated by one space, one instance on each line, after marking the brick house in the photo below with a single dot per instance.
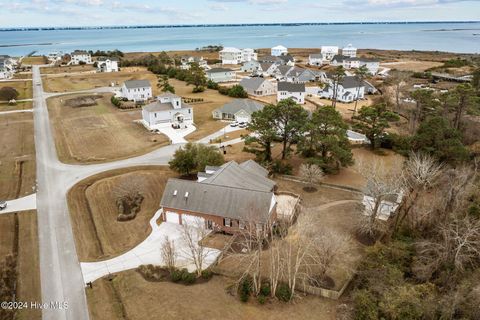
228 198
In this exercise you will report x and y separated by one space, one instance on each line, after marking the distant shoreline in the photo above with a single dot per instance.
229 25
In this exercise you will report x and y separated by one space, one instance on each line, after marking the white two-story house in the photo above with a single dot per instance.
107 64
80 56
279 51
296 91
136 90
349 51
231 55
329 52
348 90
166 111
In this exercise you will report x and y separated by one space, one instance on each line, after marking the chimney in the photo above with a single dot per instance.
175 193
186 195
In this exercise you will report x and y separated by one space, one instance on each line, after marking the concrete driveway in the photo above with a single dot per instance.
21 204
148 252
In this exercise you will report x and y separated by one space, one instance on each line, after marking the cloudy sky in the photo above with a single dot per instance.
149 12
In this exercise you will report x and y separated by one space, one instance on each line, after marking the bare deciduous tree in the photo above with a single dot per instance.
381 187
169 253
420 173
192 233
311 174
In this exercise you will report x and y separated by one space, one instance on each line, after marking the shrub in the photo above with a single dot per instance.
8 93
265 290
283 292
237 91
262 299
198 89
188 277
212 85
115 101
207 274
176 275
245 289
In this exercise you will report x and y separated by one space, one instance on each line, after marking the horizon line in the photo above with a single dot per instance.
40 28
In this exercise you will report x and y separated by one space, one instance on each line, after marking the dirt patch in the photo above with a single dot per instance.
82 101
33 60
208 300
94 212
99 133
68 69
18 237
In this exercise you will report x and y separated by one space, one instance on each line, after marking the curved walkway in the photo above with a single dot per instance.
148 252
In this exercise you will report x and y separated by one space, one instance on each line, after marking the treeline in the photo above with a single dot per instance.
112 54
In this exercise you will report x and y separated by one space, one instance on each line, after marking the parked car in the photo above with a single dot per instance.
233 124
3 205
243 125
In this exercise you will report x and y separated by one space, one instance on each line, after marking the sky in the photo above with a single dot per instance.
34 13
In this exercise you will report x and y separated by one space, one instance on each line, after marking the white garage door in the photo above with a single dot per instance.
192 220
172 217
242 118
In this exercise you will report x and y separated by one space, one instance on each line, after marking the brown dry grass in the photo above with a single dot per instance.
18 106
67 69
69 83
28 268
24 88
34 60
202 112
98 235
99 133
130 296
22 75
413 65
17 157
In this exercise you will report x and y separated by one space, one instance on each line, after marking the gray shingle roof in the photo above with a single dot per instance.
223 201
236 105
133 84
265 65
215 70
157 106
316 56
231 174
284 70
287 58
291 87
254 167
107 58
252 83
351 82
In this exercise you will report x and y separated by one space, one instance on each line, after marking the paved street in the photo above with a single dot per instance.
61 276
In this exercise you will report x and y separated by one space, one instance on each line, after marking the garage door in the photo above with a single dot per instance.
242 118
172 217
192 220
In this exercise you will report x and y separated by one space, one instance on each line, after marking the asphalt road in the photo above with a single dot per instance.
60 272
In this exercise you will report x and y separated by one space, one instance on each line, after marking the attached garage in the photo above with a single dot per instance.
242 116
192 220
172 217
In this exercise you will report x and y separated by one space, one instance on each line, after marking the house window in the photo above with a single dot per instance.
227 222
189 110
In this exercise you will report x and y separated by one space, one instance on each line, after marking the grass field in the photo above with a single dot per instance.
18 106
99 133
24 88
68 83
34 60
129 296
67 69
19 237
202 112
98 235
22 75
17 157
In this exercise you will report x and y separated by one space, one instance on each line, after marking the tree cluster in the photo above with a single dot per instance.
193 158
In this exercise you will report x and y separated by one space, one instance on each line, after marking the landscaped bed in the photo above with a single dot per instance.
130 296
94 211
99 132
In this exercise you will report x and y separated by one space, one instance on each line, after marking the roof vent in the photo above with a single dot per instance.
175 193
186 194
